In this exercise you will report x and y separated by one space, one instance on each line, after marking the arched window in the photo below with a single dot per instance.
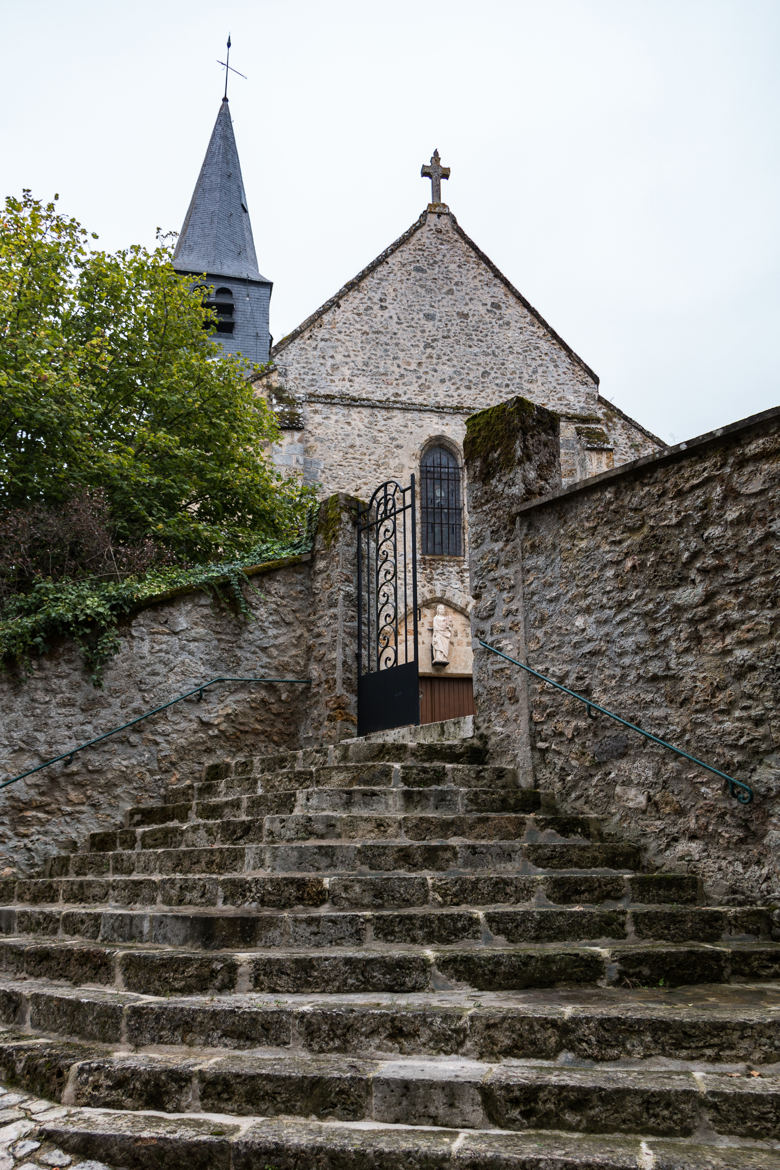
222 304
442 510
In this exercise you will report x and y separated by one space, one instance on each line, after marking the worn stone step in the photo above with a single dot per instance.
729 1024
331 826
335 826
429 827
347 775
152 1141
326 857
340 800
444 1092
364 751
433 799
356 891
385 967
257 805
355 751
218 927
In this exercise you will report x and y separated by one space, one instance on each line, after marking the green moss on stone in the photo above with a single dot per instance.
491 441
593 436
330 516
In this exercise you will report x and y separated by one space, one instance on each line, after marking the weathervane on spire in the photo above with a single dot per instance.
229 68
435 172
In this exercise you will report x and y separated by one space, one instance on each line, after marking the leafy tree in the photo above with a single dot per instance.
109 382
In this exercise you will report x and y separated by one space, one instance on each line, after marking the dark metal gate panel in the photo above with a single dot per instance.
388 692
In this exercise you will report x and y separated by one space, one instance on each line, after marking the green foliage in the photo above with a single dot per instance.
109 380
128 439
90 611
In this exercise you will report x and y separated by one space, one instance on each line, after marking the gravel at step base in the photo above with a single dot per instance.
23 1146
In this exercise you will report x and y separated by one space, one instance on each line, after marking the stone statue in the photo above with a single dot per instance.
440 642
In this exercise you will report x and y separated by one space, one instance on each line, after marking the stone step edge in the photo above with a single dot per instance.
396 1090
625 875
395 967
407 774
180 812
727 913
570 845
606 950
460 1002
132 1020
253 766
360 752
491 926
212 1142
252 910
738 1078
268 829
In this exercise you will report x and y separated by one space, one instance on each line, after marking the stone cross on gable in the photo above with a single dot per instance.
435 172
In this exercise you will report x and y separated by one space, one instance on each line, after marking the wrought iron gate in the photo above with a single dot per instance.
388 687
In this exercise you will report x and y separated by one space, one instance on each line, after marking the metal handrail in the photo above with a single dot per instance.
739 790
68 756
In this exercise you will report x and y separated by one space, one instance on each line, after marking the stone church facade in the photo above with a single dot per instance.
378 383
384 376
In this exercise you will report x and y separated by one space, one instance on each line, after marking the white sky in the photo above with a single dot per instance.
617 159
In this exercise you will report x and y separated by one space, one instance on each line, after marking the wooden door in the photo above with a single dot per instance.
445 698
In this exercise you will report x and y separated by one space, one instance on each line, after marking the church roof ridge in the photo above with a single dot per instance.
523 300
364 272
216 236
348 287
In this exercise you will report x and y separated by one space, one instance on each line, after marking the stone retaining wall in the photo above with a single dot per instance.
653 589
167 649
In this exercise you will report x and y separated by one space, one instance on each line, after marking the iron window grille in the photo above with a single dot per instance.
441 507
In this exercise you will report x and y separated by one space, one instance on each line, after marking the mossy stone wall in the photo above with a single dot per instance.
652 589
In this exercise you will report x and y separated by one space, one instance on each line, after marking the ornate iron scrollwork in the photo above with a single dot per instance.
387 606
385 506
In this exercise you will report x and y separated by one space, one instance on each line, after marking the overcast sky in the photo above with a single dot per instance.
617 159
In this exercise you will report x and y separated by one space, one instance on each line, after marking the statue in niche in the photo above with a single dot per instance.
440 640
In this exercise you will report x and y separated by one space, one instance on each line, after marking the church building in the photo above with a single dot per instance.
378 382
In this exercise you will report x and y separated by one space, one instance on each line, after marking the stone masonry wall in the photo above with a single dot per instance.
512 454
653 589
331 710
301 627
166 649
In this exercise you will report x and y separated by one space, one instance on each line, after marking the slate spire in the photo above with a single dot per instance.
216 239
217 234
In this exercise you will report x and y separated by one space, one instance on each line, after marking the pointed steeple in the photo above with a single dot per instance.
216 239
217 236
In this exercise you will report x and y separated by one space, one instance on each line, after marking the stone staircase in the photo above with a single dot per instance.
385 954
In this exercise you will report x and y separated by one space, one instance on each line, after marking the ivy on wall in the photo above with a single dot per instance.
90 612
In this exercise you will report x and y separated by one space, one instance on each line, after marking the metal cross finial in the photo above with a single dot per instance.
229 68
435 172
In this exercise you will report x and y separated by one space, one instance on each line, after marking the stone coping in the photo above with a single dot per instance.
249 571
765 420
